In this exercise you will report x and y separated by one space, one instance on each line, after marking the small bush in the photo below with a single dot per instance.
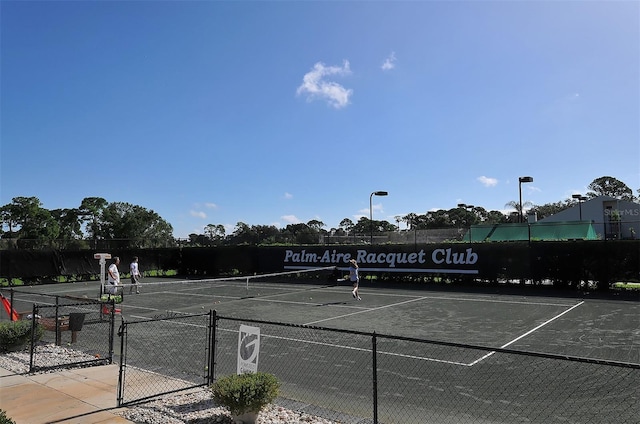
248 392
4 419
17 333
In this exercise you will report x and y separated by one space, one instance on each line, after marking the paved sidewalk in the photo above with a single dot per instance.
79 396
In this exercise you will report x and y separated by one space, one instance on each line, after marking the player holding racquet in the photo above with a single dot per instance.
354 276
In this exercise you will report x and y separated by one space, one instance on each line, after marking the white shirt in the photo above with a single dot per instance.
134 268
114 275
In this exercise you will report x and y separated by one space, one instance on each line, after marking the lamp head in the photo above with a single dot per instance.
380 193
526 179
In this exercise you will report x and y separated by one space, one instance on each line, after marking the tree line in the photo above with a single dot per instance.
95 219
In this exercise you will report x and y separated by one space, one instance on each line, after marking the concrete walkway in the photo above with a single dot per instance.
79 396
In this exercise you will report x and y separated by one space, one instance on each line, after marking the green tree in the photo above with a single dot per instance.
495 217
609 186
463 217
34 222
139 226
315 224
410 220
549 209
90 212
301 234
9 216
347 225
215 233
438 219
243 234
69 222
266 234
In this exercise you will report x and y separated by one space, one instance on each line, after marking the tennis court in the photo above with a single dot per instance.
598 329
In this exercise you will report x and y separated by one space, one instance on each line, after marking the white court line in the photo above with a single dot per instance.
527 333
367 310
359 349
385 352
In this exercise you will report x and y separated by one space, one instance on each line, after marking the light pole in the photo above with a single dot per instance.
520 181
375 193
580 199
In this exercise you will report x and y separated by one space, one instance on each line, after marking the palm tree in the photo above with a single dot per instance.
516 205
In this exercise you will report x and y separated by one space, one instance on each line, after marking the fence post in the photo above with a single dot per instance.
57 323
123 360
374 352
112 326
213 323
34 325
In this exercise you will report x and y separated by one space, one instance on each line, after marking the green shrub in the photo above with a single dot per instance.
4 419
248 392
17 333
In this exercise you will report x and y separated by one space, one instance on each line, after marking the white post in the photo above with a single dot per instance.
103 260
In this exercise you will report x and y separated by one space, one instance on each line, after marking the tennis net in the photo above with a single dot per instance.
238 283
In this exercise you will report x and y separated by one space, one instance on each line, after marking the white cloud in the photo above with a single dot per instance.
198 214
487 181
211 206
375 209
315 86
389 62
290 219
288 196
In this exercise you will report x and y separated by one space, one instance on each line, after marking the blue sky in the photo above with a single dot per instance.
278 112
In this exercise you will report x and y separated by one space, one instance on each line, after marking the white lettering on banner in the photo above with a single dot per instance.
363 257
334 257
440 256
447 256
302 257
392 259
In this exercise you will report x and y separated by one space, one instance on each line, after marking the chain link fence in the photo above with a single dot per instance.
356 377
164 355
76 334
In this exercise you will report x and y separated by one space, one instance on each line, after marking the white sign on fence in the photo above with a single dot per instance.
248 349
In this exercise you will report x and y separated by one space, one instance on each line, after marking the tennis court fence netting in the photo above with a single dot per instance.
357 377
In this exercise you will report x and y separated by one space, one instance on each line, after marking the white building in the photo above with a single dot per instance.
611 218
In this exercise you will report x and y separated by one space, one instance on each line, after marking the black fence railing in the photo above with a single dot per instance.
351 376
76 331
178 348
84 330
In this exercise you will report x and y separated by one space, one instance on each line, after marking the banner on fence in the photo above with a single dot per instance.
248 349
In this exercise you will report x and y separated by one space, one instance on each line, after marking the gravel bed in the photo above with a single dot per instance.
192 407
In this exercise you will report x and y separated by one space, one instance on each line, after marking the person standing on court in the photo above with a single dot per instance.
354 276
114 276
135 275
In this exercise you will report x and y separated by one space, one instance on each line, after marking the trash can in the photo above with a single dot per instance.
76 320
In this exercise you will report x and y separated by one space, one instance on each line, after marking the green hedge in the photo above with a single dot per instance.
14 334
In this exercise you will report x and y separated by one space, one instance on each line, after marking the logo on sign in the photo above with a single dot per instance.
248 349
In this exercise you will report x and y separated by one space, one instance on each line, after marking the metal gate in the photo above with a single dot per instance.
165 355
